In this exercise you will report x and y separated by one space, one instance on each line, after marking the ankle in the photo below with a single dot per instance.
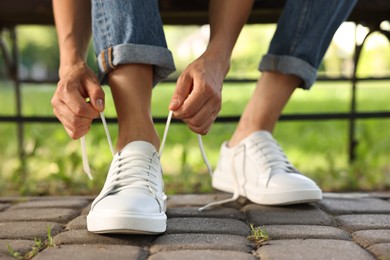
128 137
121 144
244 129
237 138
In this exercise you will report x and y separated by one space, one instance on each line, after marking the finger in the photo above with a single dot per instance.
184 87
201 122
69 124
65 111
195 102
70 119
95 94
77 103
202 94
67 127
198 119
77 134
205 127
75 126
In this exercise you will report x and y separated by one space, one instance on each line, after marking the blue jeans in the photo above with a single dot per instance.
304 32
130 31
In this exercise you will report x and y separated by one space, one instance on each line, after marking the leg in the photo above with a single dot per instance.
291 61
132 57
252 164
131 87
263 110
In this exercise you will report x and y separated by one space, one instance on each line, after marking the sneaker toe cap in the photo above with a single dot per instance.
129 203
291 181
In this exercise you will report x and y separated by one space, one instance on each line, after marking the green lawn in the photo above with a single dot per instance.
317 148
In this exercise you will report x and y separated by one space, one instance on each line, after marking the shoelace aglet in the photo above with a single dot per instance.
86 168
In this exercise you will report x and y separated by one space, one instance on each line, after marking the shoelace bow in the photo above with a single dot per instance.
122 182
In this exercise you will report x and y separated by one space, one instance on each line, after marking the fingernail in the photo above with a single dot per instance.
100 104
174 103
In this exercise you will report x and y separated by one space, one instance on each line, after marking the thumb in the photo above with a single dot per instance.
96 95
183 89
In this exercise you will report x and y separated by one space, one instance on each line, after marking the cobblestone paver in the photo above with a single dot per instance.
312 249
364 221
342 226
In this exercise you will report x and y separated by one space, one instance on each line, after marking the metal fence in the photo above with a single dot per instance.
11 57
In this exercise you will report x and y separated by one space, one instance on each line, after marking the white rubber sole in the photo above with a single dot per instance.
272 198
110 223
298 196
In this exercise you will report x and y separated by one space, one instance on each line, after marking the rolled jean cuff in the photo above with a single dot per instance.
161 59
290 65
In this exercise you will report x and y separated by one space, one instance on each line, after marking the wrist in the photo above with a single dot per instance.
220 58
70 56
70 66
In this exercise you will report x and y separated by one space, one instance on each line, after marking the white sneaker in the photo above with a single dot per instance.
132 199
259 170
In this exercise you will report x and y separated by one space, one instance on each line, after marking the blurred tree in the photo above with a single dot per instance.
38 51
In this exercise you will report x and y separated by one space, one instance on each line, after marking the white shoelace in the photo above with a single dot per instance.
275 157
260 148
84 154
278 161
207 163
200 143
119 182
132 169
134 166
236 194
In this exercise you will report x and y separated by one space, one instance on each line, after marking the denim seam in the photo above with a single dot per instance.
300 24
107 52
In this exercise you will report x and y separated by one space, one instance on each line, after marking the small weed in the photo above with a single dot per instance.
49 242
38 246
13 253
258 236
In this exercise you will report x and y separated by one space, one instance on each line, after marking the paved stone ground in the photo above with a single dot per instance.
342 226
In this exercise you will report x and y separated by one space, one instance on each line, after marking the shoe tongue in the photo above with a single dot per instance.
141 146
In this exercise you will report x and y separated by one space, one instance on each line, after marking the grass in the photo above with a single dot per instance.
318 148
258 235
38 246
